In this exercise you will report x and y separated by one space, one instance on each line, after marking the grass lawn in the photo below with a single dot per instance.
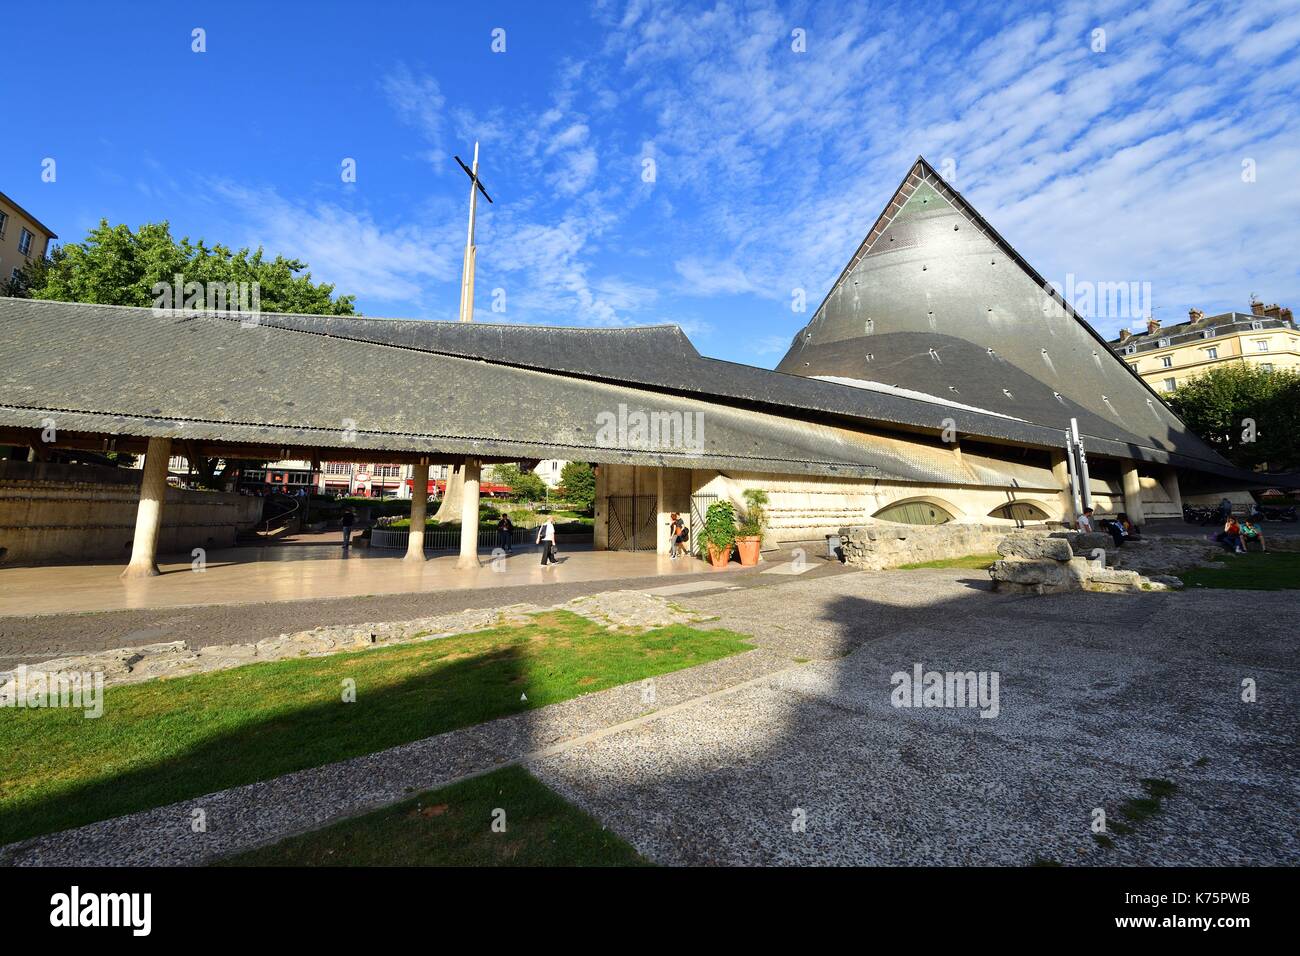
453 827
974 562
1254 571
168 740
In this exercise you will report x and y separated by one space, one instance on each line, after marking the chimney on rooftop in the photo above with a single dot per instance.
1125 335
1276 311
1195 315
1256 306
1153 324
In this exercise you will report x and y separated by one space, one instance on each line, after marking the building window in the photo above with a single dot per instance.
1130 349
1170 384
914 512
25 242
1166 361
1211 353
1256 325
16 275
1261 345
388 471
1133 366
299 478
1163 343
338 468
1208 334
4 223
254 475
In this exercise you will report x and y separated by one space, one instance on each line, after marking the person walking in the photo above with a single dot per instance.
677 531
505 533
546 538
349 519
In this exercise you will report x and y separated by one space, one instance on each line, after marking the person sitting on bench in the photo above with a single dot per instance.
1250 531
1230 536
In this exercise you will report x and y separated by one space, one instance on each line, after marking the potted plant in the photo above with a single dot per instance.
719 534
749 536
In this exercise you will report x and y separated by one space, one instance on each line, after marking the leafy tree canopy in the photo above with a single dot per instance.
524 485
1247 414
578 485
116 266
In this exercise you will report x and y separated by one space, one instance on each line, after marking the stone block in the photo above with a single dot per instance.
1035 547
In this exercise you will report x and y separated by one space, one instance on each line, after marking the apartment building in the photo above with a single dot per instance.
23 238
1168 356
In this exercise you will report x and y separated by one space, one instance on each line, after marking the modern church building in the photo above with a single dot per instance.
935 383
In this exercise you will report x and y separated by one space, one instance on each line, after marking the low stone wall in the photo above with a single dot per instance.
887 544
56 512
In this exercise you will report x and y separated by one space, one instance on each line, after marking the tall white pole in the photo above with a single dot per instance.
467 271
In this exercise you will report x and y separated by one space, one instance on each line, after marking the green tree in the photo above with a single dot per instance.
578 485
1247 414
524 485
116 266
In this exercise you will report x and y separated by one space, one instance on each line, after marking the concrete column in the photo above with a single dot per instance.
449 507
472 471
1169 479
419 508
600 531
148 517
1061 473
663 540
1132 493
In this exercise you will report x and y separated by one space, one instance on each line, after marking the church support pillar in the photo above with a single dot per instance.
1169 481
600 529
1132 492
148 516
1061 474
449 507
472 470
419 508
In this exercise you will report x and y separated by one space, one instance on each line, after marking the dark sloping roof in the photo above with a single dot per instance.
936 301
207 377
496 391
662 358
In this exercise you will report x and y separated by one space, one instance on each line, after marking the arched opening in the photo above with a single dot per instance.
1020 511
915 511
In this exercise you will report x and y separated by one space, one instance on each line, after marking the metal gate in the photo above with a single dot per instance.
699 508
632 522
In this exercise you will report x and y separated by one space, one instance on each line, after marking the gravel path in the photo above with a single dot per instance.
1096 693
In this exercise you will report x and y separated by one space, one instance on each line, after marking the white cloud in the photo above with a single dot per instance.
344 247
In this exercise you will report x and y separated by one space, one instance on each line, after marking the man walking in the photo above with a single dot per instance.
349 519
546 538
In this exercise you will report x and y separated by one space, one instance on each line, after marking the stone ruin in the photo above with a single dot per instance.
1079 561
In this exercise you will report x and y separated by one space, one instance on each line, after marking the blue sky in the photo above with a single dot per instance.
1115 164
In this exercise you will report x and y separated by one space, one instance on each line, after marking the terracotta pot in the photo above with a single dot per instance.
748 546
719 557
